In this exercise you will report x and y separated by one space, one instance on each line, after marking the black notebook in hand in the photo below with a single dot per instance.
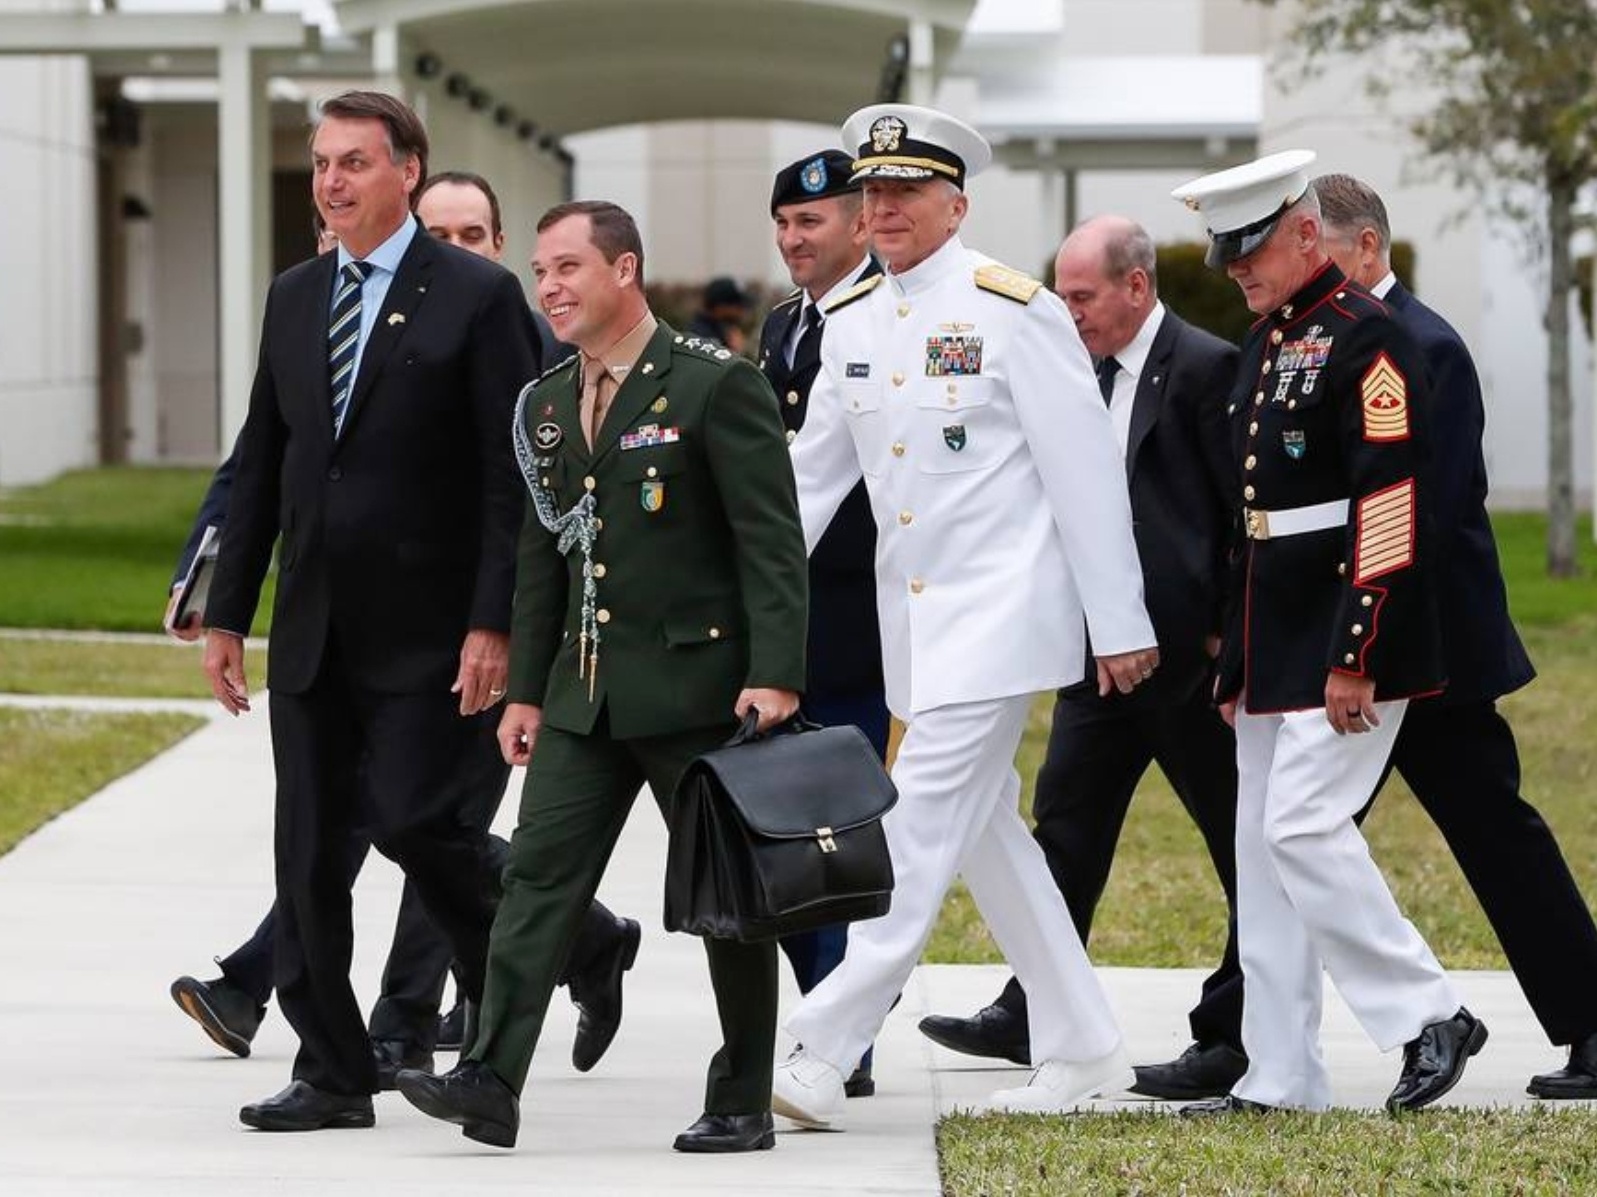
196 583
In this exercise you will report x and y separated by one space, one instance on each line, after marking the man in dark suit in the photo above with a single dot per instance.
462 209
820 233
375 449
1165 383
660 592
1456 751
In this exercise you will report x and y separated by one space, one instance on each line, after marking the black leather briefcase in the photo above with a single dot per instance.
779 833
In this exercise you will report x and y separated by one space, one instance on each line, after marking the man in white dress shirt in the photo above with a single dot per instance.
961 392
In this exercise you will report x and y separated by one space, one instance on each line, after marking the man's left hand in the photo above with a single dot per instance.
484 670
1126 671
774 706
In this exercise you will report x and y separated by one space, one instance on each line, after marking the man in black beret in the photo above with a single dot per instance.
820 233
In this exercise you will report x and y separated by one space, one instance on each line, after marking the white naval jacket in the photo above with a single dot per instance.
999 494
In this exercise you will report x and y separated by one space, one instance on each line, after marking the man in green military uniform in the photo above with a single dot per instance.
661 592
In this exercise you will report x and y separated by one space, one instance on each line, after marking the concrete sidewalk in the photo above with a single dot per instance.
109 1090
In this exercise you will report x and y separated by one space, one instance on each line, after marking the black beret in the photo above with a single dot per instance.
812 177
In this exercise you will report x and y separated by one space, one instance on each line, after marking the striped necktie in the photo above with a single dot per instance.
343 337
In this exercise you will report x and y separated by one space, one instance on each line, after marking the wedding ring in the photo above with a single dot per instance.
494 693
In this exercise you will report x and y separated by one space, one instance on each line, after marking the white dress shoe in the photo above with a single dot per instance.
807 1090
1059 1087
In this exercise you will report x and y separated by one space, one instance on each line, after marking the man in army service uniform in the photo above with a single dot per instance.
960 391
1331 629
660 593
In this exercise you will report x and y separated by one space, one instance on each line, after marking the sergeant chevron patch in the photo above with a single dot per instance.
1385 532
1385 394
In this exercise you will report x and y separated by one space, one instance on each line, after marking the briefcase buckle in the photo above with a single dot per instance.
823 837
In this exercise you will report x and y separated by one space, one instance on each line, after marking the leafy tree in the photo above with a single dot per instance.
1517 81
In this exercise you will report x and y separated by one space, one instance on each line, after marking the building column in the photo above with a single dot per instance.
244 228
920 84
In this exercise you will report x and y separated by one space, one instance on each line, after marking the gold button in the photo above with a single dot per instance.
1276 337
1247 492
715 633
1291 404
953 388
898 379
1265 369
1349 659
598 524
598 569
1341 294
903 309
898 448
906 517
790 435
602 615
1367 601
952 400
651 472
1250 462
588 483
1358 629
546 481
1286 312
1341 568
793 397
916 586
1259 398
1231 409
1253 428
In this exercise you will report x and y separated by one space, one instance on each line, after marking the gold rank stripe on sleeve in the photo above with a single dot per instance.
858 291
1385 532
1011 284
1385 395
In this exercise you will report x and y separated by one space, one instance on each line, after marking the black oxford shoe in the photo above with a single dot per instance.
452 1028
471 1096
992 1031
1200 1071
224 1011
728 1132
1220 1107
1434 1060
597 992
1575 1081
392 1055
304 1107
860 1083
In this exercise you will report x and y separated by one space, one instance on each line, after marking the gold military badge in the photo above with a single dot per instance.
887 132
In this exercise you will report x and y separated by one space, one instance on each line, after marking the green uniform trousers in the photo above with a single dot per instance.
578 792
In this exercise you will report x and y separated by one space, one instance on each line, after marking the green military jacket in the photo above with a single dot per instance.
697 557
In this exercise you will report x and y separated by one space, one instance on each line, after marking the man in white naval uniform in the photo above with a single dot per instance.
962 393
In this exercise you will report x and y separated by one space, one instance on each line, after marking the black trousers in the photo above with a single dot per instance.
1098 750
420 957
1463 766
345 754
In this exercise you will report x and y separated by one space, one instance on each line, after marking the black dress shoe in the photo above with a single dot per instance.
992 1031
304 1107
1200 1071
860 1083
1576 1080
470 1095
224 1011
452 1028
391 1055
1217 1107
1434 1060
728 1132
597 992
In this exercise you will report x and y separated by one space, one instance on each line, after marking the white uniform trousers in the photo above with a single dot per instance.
1310 898
957 813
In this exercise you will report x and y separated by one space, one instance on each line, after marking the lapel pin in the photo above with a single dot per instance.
395 318
1155 380
648 367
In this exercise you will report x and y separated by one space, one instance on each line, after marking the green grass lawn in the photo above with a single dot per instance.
50 760
107 668
96 548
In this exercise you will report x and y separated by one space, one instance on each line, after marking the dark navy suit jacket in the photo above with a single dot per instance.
1485 658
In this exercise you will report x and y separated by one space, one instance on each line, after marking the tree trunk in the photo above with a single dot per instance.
1560 422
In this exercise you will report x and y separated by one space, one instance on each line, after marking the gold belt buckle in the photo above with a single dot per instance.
1257 522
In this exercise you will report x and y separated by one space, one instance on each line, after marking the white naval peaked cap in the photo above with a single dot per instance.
903 141
1240 206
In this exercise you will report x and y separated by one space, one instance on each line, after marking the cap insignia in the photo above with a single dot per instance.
812 177
887 132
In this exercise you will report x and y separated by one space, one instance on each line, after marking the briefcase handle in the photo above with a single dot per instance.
746 734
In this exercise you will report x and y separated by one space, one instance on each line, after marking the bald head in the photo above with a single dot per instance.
1106 275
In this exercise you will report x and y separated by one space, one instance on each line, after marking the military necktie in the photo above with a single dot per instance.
596 388
1108 368
343 337
808 350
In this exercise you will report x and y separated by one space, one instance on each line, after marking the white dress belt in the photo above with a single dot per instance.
1294 521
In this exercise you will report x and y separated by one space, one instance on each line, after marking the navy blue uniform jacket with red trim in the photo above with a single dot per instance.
1331 402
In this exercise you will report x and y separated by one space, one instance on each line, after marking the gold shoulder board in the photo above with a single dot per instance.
857 291
1011 284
